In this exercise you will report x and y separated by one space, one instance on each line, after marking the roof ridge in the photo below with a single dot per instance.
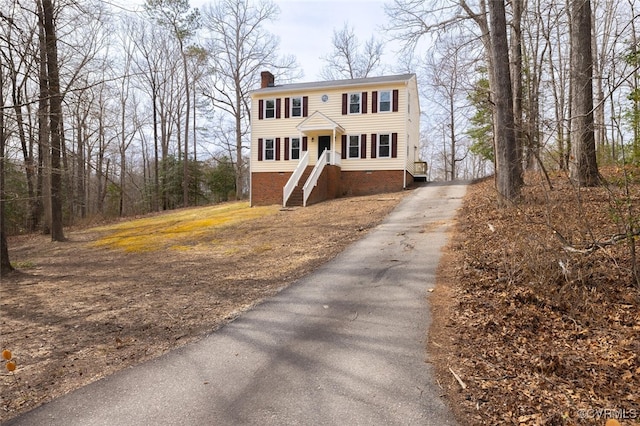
336 83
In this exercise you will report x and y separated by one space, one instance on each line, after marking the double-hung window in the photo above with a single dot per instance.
295 148
354 103
296 107
269 149
270 108
384 101
354 147
384 146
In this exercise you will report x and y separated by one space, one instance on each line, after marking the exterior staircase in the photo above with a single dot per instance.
296 198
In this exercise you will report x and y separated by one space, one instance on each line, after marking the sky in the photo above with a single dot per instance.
305 28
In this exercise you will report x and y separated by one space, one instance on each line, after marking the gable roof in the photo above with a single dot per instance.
334 84
319 121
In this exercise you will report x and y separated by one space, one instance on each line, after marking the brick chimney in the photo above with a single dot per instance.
268 80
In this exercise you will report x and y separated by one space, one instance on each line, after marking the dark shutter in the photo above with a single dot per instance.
304 143
260 148
286 107
363 146
374 145
374 101
364 102
260 109
395 100
305 106
394 145
278 107
344 104
344 146
286 148
277 149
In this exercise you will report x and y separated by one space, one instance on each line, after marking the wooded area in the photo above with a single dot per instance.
556 52
113 112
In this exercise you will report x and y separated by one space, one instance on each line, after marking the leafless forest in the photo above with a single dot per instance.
117 109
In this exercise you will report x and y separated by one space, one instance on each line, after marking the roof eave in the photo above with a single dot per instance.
319 85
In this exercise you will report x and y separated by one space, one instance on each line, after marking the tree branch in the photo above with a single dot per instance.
613 240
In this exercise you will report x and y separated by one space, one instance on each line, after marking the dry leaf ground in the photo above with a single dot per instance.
538 334
117 295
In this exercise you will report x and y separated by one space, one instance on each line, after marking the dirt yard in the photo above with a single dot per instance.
114 296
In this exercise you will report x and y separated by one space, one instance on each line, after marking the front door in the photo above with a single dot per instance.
324 142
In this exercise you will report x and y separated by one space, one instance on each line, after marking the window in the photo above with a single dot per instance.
354 147
269 149
385 101
270 108
354 103
295 148
296 107
384 146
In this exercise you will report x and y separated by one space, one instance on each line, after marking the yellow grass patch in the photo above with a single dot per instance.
177 230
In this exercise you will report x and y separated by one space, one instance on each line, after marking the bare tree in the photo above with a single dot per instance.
411 20
126 132
508 165
5 264
584 167
446 88
20 60
553 29
157 65
239 49
183 23
516 74
149 66
535 50
55 119
349 58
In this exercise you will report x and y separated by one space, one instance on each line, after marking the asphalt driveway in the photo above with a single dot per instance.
343 346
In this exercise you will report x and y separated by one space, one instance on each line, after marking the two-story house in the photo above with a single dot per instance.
316 141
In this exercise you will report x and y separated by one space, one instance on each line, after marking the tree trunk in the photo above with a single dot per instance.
239 160
5 264
516 77
55 118
26 153
185 166
634 60
100 162
44 146
156 162
584 167
452 136
80 164
508 166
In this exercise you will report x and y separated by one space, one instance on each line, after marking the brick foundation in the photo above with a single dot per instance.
372 182
328 186
266 187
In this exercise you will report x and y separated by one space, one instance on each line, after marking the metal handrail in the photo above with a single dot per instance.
295 178
312 180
